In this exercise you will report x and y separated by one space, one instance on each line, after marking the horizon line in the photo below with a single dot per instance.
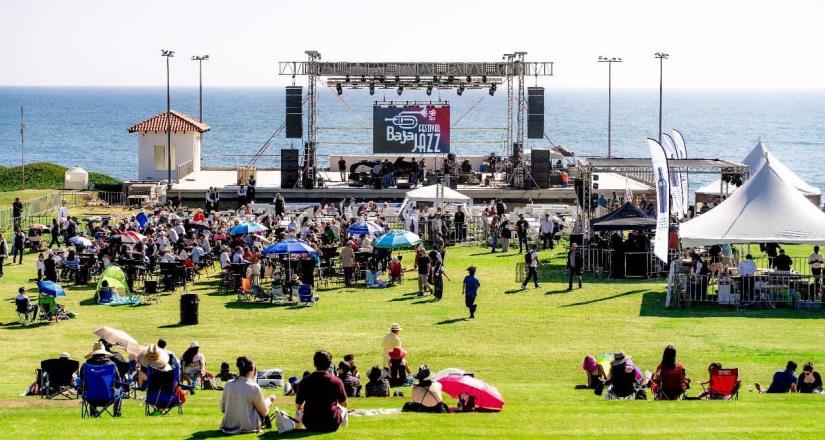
272 86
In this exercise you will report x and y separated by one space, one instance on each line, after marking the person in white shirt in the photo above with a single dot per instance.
243 404
168 256
238 258
747 269
173 235
816 261
225 258
546 229
179 228
532 268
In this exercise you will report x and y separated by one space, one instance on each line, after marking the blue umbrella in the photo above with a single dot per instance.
50 288
247 228
364 227
290 246
397 239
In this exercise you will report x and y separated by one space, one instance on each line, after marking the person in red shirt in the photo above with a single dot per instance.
395 269
669 381
321 400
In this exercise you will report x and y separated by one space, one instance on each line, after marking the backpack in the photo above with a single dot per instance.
528 258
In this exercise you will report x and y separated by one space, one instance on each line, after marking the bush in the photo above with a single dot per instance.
43 175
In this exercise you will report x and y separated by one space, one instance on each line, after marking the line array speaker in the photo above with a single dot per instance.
540 167
294 112
290 168
535 112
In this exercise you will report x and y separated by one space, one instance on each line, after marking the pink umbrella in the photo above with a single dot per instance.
486 395
132 237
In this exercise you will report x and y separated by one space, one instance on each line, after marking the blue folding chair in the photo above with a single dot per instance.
100 391
305 296
162 391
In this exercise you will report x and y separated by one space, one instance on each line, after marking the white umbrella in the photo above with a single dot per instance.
120 338
80 241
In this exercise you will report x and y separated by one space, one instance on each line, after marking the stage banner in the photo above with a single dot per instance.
411 129
662 181
681 153
675 180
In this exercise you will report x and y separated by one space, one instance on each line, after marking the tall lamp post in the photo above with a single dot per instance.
661 56
200 59
609 62
168 54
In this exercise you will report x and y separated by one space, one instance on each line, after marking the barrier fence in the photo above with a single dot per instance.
759 290
40 209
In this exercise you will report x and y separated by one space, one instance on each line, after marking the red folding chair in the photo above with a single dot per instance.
724 384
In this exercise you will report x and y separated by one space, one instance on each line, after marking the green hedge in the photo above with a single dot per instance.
43 175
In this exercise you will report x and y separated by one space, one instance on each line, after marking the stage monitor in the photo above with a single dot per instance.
411 128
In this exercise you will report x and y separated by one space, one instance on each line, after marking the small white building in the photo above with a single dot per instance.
185 146
76 178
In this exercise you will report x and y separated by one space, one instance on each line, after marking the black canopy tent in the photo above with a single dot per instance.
628 217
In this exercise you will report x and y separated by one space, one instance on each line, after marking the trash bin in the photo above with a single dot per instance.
189 308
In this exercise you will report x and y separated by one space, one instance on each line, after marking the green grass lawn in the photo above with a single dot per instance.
7 197
529 344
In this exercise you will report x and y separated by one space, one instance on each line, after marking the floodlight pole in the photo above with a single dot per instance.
200 59
168 54
609 62
22 151
661 56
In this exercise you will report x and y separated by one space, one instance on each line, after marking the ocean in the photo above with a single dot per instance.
87 126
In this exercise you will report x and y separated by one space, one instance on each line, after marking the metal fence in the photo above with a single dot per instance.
40 209
759 290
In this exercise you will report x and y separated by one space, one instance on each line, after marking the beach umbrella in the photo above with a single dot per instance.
364 227
118 337
50 288
486 395
397 239
131 237
448 372
289 246
80 241
248 228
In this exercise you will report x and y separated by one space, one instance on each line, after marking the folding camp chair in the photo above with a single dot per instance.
100 391
162 391
26 311
724 384
245 290
305 296
57 378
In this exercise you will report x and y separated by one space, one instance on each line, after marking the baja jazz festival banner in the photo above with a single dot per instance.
681 153
412 129
662 181
675 181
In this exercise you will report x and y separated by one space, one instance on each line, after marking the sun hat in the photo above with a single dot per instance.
155 357
395 327
619 358
97 349
64 355
424 373
194 344
397 353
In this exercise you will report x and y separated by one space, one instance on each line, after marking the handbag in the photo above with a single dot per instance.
284 422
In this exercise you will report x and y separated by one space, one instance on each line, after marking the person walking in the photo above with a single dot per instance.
816 262
55 233
342 169
521 232
470 291
532 263
575 262
460 227
348 263
437 272
17 212
422 263
18 244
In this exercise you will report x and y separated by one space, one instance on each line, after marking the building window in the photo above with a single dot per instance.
160 157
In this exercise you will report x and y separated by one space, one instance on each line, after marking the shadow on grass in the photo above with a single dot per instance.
177 325
606 298
244 305
559 291
451 321
298 433
88 302
213 433
653 304
512 291
15 325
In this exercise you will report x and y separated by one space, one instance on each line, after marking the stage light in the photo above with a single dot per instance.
492 90
372 89
346 79
429 89
400 90
338 89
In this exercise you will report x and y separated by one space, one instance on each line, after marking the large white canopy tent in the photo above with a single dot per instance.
754 160
434 194
766 208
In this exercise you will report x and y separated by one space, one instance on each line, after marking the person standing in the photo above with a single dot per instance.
470 290
209 205
532 263
501 207
816 261
18 243
390 341
55 233
250 191
521 231
342 168
772 250
279 205
242 193
422 263
17 212
460 226
546 228
506 235
3 252
575 262
495 232
437 272
321 401
348 263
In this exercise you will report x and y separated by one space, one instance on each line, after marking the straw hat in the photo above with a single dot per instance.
155 357
619 358
97 349
194 344
64 355
395 327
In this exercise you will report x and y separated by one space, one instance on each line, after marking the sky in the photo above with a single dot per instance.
753 44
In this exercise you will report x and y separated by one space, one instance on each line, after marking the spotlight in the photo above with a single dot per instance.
339 89
417 79
429 89
460 90
372 89
492 90
400 90
346 79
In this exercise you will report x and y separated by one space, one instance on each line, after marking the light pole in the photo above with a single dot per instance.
661 56
609 62
200 59
168 54
22 150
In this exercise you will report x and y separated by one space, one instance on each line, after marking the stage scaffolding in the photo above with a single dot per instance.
512 70
641 169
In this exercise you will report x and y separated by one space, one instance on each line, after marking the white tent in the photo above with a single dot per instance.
615 182
430 194
754 161
765 209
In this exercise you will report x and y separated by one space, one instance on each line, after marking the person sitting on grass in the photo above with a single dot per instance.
352 385
243 404
784 381
193 363
669 381
395 269
426 394
374 280
378 385
594 372
809 381
321 401
225 374
106 294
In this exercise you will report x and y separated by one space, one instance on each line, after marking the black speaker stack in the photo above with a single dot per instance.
535 112
540 167
294 112
290 168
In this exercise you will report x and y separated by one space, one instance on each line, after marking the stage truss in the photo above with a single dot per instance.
512 71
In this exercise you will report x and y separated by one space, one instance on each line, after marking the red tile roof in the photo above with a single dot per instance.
180 122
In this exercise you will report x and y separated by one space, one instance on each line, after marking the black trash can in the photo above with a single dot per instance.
189 308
